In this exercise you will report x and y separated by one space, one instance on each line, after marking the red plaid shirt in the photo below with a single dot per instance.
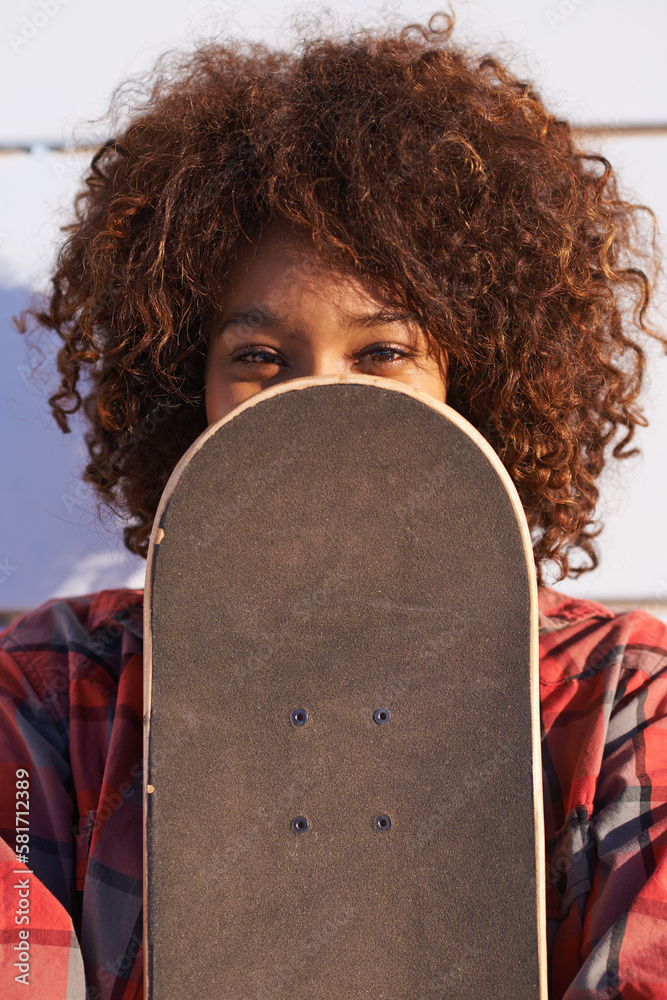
71 848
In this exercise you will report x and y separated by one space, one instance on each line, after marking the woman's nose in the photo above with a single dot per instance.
323 363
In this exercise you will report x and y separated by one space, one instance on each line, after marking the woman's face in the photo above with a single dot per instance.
289 315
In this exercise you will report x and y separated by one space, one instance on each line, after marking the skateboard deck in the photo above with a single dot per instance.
342 773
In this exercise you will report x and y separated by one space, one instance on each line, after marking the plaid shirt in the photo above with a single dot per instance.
71 803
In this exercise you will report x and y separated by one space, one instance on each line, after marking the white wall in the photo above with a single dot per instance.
599 60
60 61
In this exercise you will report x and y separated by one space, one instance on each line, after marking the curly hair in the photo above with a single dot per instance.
435 172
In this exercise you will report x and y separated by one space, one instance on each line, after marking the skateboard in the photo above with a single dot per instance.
342 772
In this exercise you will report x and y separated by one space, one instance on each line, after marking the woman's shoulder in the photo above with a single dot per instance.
63 618
581 639
91 636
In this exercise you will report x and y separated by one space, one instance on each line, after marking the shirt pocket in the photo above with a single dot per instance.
570 862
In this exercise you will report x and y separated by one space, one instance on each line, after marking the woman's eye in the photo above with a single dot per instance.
257 356
378 354
382 354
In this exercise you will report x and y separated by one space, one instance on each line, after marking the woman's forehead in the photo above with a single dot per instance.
284 261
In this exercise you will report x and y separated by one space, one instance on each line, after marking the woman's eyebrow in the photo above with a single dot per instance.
254 317
260 317
385 315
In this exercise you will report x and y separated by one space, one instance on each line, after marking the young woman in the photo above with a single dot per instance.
390 205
